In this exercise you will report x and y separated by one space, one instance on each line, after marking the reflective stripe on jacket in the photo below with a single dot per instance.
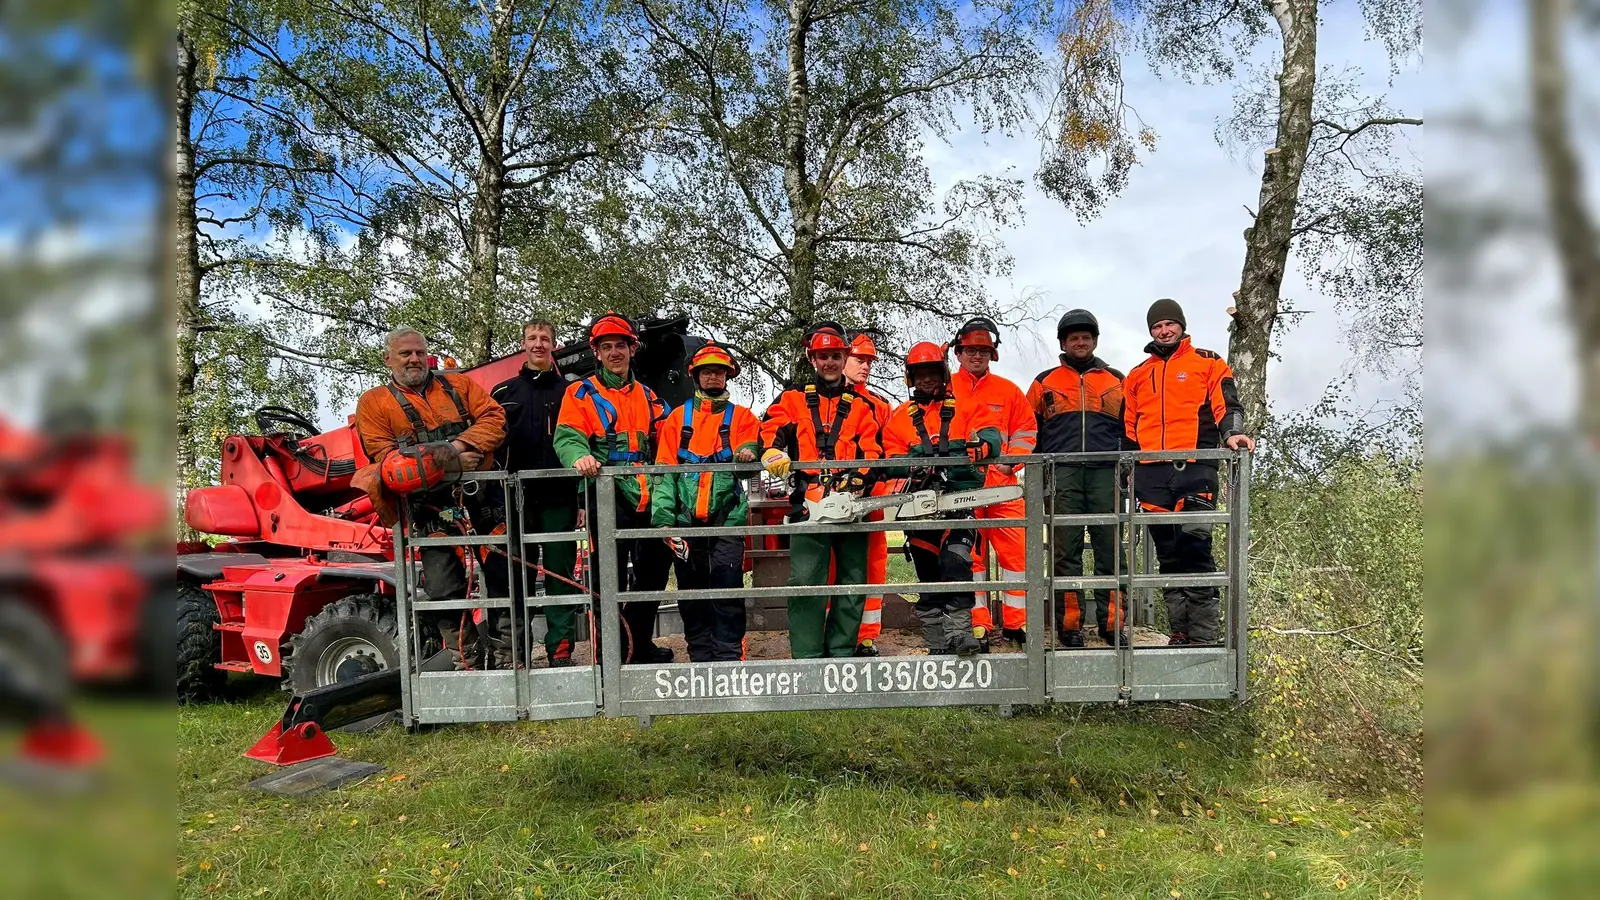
717 430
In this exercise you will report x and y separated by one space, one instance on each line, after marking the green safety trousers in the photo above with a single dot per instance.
826 626
557 513
1082 490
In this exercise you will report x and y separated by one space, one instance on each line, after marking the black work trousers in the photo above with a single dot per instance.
444 576
642 565
713 628
1192 612
946 616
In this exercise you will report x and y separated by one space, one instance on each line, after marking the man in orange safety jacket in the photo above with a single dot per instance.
1182 398
610 419
825 420
708 428
1000 402
858 369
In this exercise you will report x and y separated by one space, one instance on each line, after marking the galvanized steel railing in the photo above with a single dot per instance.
1041 673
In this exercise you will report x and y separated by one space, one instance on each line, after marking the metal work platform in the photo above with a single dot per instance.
1041 673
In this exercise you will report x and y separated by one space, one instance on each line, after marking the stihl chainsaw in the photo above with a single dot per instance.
842 506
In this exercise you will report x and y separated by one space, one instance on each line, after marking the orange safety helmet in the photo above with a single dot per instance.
826 335
612 324
926 353
863 347
712 354
411 469
979 331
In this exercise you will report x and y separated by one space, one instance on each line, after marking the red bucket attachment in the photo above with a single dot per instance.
63 744
303 742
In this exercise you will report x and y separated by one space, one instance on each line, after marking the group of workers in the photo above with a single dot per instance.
1179 398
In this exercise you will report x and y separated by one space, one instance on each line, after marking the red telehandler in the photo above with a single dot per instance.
302 589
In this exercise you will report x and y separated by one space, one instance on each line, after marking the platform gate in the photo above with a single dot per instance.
1042 673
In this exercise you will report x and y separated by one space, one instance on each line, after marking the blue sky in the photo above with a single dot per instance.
1177 231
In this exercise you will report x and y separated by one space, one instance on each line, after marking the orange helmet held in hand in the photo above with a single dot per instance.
411 469
926 353
713 354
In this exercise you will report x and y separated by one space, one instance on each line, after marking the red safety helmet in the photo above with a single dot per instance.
612 325
979 331
411 469
926 353
863 347
826 335
713 354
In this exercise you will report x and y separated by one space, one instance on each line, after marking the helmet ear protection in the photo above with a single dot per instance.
926 353
826 335
978 331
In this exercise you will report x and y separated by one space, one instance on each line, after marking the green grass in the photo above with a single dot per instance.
904 803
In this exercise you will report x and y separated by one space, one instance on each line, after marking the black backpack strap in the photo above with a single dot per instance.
824 434
920 423
947 412
688 431
412 416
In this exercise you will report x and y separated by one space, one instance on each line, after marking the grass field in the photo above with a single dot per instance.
907 803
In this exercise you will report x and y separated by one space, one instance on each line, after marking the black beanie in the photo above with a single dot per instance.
1163 309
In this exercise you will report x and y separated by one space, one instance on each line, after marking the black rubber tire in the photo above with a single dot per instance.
33 663
199 646
366 617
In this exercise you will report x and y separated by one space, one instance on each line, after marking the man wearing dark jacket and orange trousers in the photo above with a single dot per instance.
420 406
1182 398
1079 408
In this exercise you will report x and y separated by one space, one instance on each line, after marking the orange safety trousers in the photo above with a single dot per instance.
1010 554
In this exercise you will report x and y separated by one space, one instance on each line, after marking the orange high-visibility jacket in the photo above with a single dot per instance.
617 426
381 422
1078 412
1184 401
998 402
720 429
809 424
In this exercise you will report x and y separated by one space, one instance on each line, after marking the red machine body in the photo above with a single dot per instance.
303 587
80 551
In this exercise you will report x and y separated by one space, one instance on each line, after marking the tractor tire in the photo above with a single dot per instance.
199 646
33 664
157 669
351 637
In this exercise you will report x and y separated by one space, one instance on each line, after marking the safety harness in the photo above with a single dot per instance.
947 412
608 419
723 454
724 431
421 434
827 435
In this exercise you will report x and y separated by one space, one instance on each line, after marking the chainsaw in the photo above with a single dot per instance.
842 506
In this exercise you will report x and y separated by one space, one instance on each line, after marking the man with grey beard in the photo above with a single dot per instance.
420 406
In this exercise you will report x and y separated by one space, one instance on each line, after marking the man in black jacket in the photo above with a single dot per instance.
1079 408
532 400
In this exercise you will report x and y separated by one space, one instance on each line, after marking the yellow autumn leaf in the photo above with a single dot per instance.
505 768
1010 871
1072 780
205 865
863 847
747 809
401 819
1100 833
1016 835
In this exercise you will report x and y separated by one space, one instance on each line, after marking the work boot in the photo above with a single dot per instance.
965 645
1108 636
561 657
981 635
1071 640
866 648
657 654
1015 635
1178 639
